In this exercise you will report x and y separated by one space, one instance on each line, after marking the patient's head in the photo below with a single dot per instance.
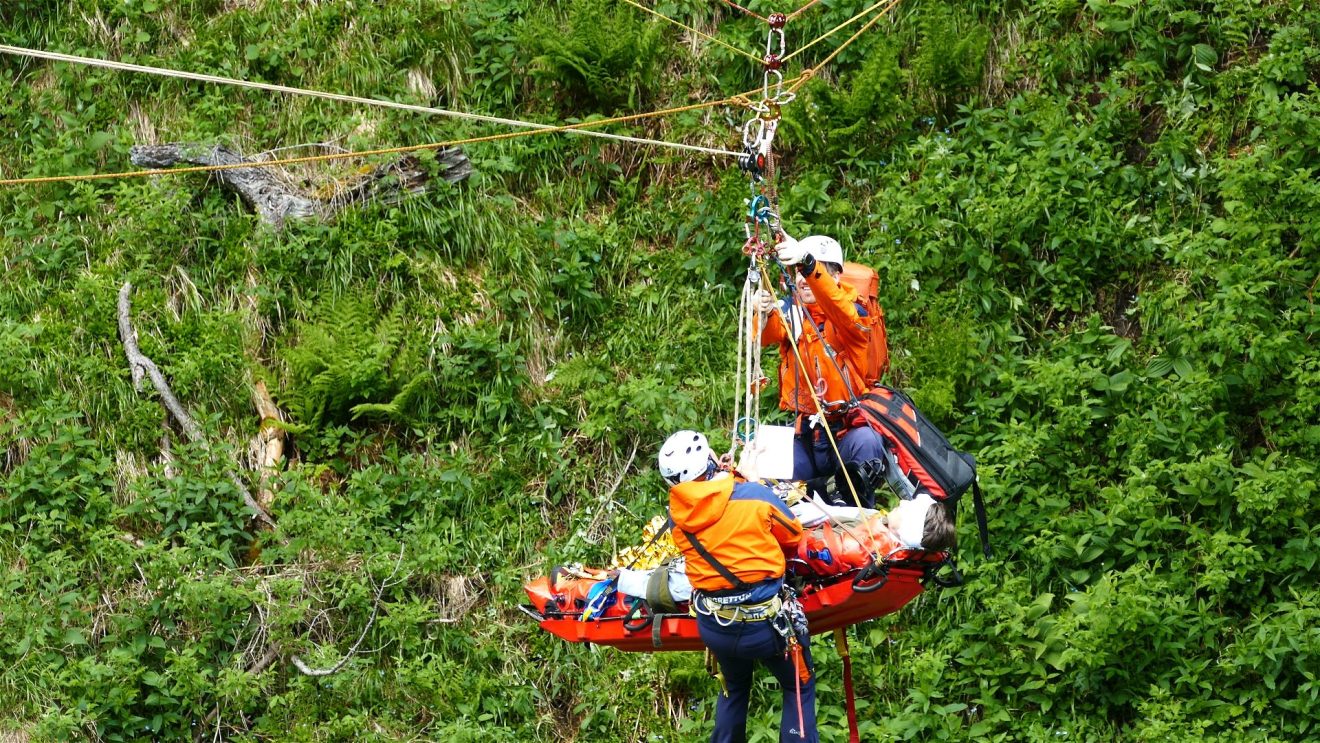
923 523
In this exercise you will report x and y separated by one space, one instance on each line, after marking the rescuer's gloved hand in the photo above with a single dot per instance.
765 302
790 251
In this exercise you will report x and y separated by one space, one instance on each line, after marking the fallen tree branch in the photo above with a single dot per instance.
276 200
375 609
140 365
268 446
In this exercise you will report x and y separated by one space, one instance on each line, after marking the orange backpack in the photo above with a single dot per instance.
867 283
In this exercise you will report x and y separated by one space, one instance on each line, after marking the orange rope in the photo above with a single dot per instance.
836 29
739 100
751 13
811 72
801 10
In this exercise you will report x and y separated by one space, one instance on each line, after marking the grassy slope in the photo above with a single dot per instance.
1095 223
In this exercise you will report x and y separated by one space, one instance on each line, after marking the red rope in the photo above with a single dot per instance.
798 663
732 4
841 642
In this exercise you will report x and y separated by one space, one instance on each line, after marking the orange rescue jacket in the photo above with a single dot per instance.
743 525
834 317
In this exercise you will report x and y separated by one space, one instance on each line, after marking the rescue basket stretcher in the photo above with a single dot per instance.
830 602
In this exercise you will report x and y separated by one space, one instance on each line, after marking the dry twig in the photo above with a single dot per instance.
375 609
140 365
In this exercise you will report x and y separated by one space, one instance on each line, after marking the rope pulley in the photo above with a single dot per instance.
751 162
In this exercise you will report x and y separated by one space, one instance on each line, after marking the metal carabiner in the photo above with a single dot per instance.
770 40
766 99
749 140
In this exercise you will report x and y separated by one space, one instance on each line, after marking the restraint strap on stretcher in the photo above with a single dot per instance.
658 595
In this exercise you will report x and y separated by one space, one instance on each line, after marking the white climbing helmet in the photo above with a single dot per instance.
824 249
685 456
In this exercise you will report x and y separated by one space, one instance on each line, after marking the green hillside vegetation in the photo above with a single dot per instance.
1095 224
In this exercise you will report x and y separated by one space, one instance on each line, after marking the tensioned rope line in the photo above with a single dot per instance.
758 16
738 100
199 77
801 10
702 34
751 13
810 72
838 28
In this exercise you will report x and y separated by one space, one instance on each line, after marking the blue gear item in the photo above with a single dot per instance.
601 597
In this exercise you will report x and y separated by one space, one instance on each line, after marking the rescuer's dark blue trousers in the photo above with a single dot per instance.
813 457
738 648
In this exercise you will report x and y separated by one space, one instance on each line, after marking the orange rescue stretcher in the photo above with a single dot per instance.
838 579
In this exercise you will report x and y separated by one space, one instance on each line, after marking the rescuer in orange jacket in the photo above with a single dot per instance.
733 534
825 325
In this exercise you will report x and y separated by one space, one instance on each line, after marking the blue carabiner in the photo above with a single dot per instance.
744 428
759 203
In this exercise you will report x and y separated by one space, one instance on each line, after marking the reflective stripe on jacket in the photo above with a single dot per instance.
836 311
743 525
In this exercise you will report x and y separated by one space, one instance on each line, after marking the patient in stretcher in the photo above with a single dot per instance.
838 539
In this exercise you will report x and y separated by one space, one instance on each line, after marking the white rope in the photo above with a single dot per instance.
747 387
738 374
164 72
753 351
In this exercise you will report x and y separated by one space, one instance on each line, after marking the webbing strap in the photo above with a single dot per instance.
891 405
657 588
725 573
669 524
850 697
979 506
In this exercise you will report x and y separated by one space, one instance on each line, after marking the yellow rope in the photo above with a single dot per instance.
833 31
215 79
801 10
365 153
811 72
707 36
820 407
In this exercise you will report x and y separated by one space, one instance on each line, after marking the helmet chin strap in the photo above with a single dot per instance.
712 469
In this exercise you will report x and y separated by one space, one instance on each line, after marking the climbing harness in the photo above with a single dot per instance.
726 616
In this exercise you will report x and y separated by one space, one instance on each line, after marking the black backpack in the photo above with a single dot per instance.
922 451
